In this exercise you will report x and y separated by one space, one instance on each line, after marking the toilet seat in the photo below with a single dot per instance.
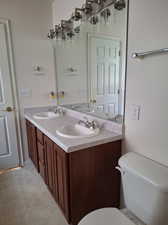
106 216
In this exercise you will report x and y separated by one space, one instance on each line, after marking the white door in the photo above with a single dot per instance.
105 74
8 137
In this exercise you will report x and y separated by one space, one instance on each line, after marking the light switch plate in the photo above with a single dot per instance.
135 112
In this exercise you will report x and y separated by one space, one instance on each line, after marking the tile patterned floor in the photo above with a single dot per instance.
25 199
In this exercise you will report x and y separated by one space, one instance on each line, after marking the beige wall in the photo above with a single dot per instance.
62 9
30 21
147 80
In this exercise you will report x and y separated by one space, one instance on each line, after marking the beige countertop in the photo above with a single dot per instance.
49 127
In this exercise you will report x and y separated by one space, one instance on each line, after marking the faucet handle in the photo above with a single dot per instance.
61 111
94 124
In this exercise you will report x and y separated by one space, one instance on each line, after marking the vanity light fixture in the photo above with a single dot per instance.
51 34
94 20
77 30
119 4
105 14
65 30
76 16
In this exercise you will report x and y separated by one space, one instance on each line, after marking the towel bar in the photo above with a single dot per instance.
143 54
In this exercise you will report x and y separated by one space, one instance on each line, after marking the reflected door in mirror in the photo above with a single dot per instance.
104 66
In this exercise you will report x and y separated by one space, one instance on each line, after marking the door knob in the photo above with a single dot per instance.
9 109
93 101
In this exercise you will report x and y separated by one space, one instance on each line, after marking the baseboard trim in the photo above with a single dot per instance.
9 170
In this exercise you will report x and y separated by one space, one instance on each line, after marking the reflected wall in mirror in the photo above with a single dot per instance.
91 66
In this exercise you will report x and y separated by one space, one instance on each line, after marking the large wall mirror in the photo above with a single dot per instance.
91 65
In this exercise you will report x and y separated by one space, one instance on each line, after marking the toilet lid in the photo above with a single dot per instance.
106 216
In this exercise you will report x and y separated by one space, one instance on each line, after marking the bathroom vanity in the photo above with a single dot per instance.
80 174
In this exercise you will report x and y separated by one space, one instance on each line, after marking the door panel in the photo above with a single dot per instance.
51 167
40 152
40 137
100 79
60 181
8 142
8 138
32 143
1 92
63 181
55 176
29 134
34 147
112 79
48 145
4 150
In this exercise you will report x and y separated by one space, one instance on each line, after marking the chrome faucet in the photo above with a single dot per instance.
53 109
57 110
60 111
89 124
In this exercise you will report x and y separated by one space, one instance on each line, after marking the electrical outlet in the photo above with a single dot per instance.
135 112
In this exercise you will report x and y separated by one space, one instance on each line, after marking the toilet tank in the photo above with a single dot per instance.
145 188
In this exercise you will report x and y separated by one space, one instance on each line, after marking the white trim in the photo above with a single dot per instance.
104 36
14 89
2 90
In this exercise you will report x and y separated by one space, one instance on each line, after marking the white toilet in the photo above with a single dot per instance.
145 188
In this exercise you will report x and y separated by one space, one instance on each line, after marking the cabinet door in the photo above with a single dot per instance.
28 128
32 143
40 137
48 147
55 176
50 163
34 147
63 181
94 181
41 158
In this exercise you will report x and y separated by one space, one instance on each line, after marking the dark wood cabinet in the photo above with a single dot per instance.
41 154
32 143
41 157
40 137
81 181
48 149
94 181
55 176
63 181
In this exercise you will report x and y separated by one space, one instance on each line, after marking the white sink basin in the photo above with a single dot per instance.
77 131
45 115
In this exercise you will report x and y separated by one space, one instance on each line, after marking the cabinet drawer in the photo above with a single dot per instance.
40 137
40 152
